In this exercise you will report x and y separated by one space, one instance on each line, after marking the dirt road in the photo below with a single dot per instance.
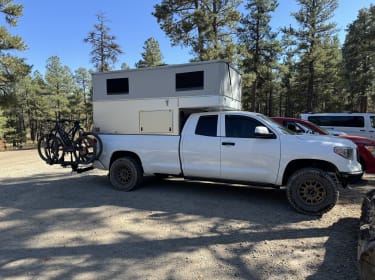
59 225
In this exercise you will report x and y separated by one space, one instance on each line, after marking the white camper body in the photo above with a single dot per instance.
157 100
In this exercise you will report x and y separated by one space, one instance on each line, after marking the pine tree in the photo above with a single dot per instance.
104 48
59 83
151 55
207 26
82 81
11 67
359 60
124 66
2 124
329 86
259 52
314 29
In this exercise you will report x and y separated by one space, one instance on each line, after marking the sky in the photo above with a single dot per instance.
57 28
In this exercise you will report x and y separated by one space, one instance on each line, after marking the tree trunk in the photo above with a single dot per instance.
310 88
363 103
254 95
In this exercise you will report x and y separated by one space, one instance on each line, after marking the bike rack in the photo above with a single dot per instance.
69 156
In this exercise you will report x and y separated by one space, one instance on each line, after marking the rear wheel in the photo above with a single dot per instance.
85 150
125 173
312 191
96 141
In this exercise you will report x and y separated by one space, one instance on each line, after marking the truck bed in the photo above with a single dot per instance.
159 153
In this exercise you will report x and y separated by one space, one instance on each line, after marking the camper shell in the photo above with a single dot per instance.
157 100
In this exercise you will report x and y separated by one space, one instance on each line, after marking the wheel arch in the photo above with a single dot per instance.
120 154
298 164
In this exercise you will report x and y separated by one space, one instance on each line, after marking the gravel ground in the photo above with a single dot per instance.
55 224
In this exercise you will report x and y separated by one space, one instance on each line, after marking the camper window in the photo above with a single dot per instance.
117 86
189 81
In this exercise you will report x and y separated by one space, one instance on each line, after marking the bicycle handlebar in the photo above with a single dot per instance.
62 120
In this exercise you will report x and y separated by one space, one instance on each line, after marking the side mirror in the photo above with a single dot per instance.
263 132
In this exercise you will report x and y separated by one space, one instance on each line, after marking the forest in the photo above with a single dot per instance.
294 69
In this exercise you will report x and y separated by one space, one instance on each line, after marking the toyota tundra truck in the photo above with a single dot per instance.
237 146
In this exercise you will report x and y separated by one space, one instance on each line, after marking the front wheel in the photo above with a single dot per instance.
125 173
312 191
51 149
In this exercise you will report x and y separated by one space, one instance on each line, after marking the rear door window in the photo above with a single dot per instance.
207 126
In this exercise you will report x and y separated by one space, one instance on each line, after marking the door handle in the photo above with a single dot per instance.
362 130
228 143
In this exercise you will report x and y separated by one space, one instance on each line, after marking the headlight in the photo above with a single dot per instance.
371 149
345 152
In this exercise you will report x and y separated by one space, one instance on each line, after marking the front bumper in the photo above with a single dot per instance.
348 178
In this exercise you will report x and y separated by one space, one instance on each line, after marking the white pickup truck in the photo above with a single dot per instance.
237 146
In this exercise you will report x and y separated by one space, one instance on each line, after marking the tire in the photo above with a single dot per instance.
85 150
125 173
42 147
55 150
312 191
97 141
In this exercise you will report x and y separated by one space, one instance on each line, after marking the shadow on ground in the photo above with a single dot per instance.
33 206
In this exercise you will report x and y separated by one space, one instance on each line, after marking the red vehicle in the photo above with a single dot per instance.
366 146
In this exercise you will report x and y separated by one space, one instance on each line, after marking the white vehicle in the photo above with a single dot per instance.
232 146
361 124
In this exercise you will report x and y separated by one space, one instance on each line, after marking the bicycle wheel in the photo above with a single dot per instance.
55 150
43 147
85 150
97 141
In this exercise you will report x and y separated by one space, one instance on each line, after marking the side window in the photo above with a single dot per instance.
346 121
372 121
118 86
207 126
294 127
189 81
240 127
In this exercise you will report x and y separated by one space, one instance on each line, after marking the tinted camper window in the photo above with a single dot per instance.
189 80
345 121
117 86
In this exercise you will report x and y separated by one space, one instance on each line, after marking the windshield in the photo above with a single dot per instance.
276 125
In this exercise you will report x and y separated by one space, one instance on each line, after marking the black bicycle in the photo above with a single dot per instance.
66 143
